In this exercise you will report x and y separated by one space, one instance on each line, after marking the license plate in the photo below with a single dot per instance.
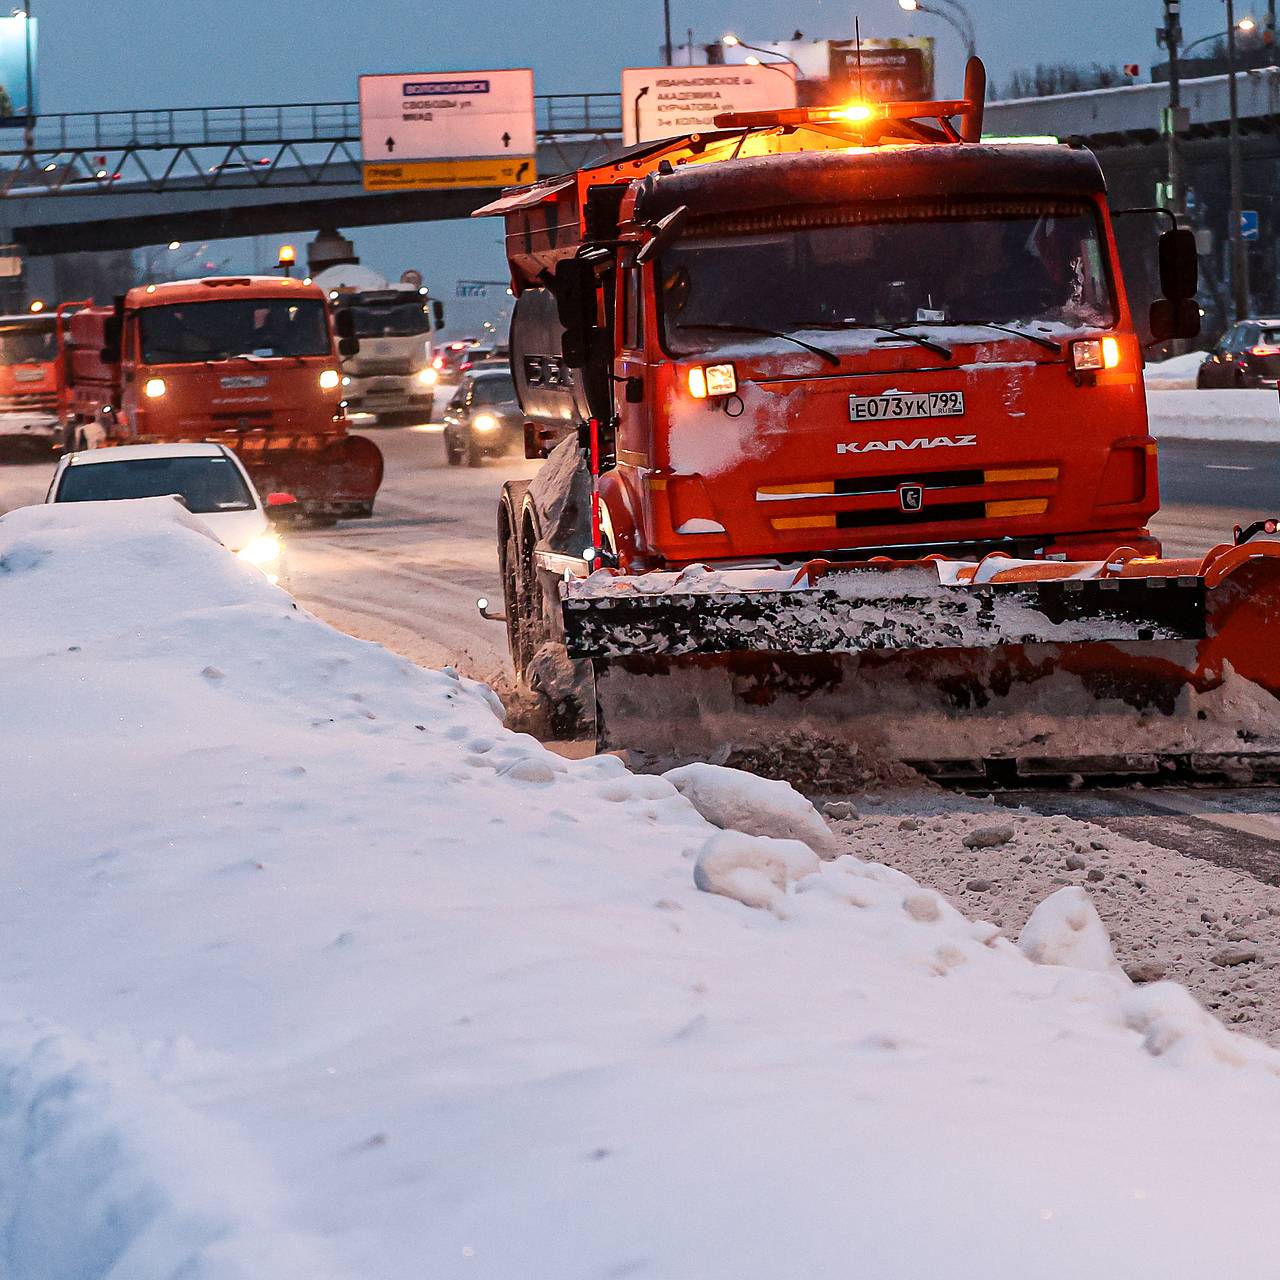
28 375
243 383
897 406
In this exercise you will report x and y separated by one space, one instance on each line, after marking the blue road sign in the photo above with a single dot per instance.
1250 225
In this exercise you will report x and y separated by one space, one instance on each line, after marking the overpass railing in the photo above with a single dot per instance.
272 124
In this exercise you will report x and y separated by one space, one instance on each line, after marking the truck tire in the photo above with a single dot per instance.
475 458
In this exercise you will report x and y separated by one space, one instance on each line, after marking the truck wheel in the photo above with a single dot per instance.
474 457
452 455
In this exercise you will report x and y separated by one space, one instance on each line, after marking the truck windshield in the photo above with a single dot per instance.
906 265
27 343
263 327
393 320
205 484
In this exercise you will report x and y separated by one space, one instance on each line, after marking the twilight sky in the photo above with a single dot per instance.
113 54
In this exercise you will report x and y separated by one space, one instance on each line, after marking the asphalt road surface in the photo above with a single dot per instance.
409 577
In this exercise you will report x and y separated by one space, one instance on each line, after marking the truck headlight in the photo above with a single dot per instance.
330 379
712 380
262 550
428 376
1095 353
485 422
154 388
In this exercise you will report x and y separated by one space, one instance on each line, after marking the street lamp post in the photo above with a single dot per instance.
1172 121
731 41
29 130
666 21
1239 251
954 13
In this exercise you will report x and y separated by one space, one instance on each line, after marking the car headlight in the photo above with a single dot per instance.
262 550
428 376
330 379
154 388
485 422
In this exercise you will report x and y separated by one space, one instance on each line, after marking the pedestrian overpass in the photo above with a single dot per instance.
125 179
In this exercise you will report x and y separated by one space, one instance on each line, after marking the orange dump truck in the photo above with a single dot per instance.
31 381
859 452
249 362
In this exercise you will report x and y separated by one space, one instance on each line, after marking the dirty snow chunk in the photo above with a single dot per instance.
739 801
840 810
988 837
1174 1026
527 769
755 870
1066 929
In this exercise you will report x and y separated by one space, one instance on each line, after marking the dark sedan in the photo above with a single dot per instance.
483 420
1247 355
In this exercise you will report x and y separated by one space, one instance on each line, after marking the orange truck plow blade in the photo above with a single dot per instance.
994 672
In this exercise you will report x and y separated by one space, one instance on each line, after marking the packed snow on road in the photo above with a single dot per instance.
311 969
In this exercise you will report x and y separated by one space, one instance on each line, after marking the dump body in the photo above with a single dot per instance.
31 379
247 362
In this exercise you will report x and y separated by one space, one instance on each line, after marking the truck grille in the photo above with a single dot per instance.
397 368
42 401
993 493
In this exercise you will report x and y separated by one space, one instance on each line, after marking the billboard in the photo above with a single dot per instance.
17 69
665 102
892 70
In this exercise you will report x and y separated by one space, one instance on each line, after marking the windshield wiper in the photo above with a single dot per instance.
1048 343
927 343
828 356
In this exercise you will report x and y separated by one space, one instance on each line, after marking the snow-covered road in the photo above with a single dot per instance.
409 578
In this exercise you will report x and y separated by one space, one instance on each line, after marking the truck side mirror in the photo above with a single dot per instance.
348 347
437 313
575 291
110 353
1179 264
664 231
1174 318
344 322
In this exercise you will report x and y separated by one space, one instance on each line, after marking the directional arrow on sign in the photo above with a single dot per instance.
506 139
391 144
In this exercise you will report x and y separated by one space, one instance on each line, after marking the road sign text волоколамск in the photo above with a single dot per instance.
450 115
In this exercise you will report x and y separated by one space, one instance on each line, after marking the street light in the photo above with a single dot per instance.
730 41
955 13
1245 26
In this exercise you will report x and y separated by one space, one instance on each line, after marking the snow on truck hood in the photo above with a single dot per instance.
311 969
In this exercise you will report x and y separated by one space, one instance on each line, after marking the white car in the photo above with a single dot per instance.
209 479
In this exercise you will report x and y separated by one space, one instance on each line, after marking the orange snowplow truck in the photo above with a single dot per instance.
858 450
249 362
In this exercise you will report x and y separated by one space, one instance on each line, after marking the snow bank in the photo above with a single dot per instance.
1177 373
1249 416
309 967
742 801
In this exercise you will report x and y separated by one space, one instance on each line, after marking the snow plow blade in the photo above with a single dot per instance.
328 477
990 673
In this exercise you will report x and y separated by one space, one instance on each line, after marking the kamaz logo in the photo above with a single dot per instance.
920 442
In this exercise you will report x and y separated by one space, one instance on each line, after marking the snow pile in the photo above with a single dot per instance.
309 968
754 870
1178 373
744 802
1249 416
1065 929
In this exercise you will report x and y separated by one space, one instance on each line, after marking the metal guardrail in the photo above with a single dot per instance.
273 124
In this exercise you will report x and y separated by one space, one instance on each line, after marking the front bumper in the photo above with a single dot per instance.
388 395
28 426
